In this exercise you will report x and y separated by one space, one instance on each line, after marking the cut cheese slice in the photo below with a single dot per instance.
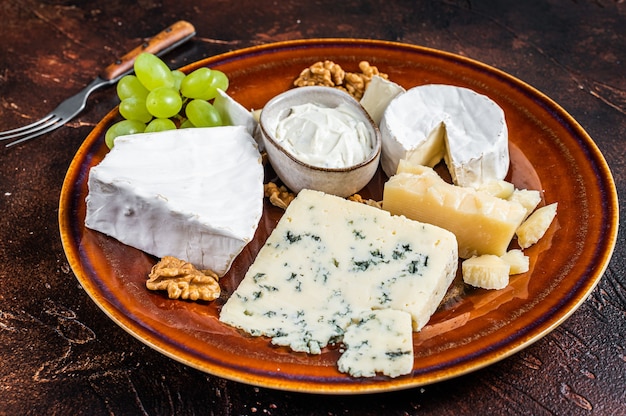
431 122
482 223
328 261
195 194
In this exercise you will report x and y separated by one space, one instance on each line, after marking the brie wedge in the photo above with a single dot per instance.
195 194
431 122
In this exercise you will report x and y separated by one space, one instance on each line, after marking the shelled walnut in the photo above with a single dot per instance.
330 74
183 280
370 202
278 196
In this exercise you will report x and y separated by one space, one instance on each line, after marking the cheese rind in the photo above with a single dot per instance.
235 114
378 341
328 260
195 194
432 121
482 223
378 95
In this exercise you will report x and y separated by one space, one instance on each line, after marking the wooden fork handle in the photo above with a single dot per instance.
170 37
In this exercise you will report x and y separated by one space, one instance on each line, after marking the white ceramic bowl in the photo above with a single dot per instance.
298 175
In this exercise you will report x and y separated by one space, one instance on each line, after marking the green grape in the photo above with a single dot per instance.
133 108
186 124
130 86
122 128
219 80
201 113
164 102
160 124
152 72
203 84
178 79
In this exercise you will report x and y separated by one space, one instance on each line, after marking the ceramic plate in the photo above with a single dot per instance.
472 329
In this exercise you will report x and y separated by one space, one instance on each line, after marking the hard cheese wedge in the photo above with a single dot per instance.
328 261
195 194
482 223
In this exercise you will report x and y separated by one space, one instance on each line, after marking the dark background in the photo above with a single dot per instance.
59 354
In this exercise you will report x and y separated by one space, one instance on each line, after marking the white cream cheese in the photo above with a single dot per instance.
323 136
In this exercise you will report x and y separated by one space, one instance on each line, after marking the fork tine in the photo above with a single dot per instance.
50 120
48 127
9 134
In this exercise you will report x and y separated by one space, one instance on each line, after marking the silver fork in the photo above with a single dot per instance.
161 43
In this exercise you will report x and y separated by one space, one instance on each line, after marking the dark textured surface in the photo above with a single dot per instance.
59 354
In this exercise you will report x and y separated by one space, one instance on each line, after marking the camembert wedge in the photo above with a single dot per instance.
195 194
430 122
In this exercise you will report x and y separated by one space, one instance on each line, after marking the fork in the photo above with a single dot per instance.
160 44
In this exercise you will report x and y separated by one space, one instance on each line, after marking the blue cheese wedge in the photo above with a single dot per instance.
195 194
328 261
430 122
379 341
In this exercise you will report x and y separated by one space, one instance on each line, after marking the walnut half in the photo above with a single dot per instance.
279 196
182 280
330 74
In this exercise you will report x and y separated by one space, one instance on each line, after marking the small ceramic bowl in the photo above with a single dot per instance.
298 175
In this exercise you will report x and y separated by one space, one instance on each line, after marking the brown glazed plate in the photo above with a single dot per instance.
473 328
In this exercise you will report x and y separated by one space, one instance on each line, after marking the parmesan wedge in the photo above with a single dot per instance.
482 223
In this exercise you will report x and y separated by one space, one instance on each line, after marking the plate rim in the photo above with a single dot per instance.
364 387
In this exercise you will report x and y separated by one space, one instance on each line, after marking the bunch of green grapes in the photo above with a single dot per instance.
157 98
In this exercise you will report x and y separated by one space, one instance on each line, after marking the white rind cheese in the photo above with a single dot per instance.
235 114
196 194
329 260
432 121
378 95
379 341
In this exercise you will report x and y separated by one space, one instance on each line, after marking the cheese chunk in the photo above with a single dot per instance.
433 121
536 225
378 95
517 261
379 341
195 194
329 260
482 223
486 271
529 198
